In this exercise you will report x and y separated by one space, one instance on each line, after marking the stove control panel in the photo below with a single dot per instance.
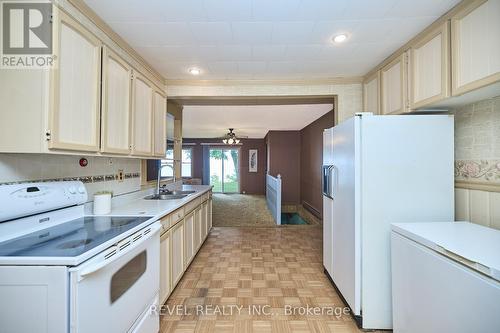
19 200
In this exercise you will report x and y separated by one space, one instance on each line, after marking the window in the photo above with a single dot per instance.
168 172
186 165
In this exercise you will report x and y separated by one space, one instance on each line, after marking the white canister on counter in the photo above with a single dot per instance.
102 203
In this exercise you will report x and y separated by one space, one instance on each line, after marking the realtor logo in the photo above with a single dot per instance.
26 34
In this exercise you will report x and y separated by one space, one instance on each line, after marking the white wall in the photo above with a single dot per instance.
477 162
97 176
349 95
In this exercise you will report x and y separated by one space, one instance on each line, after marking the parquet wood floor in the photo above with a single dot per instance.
278 271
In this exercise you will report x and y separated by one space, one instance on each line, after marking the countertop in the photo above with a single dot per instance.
156 209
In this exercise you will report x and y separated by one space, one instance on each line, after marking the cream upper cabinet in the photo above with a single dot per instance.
393 83
160 124
429 63
165 267
74 113
142 120
116 103
371 94
475 46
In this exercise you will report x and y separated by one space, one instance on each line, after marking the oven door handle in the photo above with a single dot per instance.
91 269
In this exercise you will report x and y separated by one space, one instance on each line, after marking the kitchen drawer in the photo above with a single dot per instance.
192 204
176 216
165 223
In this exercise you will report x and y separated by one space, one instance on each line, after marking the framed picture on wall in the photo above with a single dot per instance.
252 160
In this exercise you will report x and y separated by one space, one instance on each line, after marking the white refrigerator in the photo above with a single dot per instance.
378 170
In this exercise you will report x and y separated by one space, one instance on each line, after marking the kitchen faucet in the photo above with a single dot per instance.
159 176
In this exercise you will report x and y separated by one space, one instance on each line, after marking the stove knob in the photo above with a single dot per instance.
72 190
81 189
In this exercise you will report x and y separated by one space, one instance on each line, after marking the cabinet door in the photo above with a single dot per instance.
429 68
371 94
160 124
142 127
204 220
393 86
210 213
34 299
475 46
165 267
75 87
197 229
188 238
177 251
116 103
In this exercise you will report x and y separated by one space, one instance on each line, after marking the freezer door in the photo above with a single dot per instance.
346 224
327 201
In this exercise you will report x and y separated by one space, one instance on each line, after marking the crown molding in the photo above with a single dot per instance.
434 25
304 82
81 6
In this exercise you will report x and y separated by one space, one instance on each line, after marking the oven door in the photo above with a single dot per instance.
111 291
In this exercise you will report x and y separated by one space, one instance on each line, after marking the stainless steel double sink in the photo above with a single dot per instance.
169 195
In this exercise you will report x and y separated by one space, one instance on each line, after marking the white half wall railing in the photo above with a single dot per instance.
273 196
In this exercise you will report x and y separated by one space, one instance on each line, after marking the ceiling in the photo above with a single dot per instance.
267 39
253 121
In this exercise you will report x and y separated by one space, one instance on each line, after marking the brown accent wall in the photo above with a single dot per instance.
311 159
250 182
283 151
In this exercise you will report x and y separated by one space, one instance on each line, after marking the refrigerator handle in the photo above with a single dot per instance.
333 180
327 181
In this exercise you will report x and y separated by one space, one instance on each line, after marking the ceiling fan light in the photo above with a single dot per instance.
224 141
231 141
236 141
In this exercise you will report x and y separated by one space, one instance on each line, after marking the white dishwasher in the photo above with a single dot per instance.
445 278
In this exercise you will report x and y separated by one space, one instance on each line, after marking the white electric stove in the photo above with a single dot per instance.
63 271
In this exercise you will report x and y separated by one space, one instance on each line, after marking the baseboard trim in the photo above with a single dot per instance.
311 209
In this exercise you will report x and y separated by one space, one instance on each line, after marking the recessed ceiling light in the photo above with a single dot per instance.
194 71
340 38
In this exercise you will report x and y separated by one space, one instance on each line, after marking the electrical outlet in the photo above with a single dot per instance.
120 176
110 161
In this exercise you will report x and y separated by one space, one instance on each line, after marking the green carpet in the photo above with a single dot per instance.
240 210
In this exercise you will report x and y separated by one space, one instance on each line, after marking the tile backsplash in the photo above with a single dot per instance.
100 174
477 162
477 142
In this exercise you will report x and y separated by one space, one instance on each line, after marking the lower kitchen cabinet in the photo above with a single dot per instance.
197 229
165 267
177 250
204 219
210 212
182 238
188 239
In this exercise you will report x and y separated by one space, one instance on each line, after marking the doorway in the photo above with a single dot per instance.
224 170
